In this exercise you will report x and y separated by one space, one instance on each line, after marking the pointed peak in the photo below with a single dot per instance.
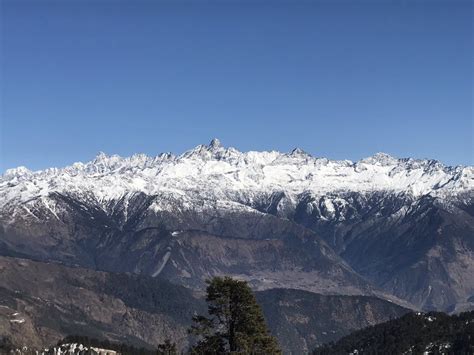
101 155
382 155
214 150
380 159
167 155
298 152
106 159
215 143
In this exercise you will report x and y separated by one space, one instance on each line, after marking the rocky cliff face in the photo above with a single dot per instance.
418 249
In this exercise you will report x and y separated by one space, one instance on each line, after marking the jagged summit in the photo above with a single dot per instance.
299 152
380 158
101 156
216 150
19 171
224 173
215 143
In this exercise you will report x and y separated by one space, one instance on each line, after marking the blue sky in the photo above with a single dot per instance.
340 79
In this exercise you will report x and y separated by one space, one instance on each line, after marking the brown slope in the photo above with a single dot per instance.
41 303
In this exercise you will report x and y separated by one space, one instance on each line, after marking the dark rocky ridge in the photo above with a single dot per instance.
303 320
417 249
184 246
421 250
413 333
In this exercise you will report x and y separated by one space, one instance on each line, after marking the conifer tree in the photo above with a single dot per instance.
167 348
235 324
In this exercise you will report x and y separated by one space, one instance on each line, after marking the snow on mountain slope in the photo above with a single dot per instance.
404 225
217 173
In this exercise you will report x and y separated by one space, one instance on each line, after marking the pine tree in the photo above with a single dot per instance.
235 323
167 348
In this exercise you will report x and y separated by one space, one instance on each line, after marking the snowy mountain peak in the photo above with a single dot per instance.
299 152
214 150
382 159
101 156
17 172
215 143
226 174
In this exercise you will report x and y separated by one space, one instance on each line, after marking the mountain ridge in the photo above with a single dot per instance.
403 226
215 146
242 173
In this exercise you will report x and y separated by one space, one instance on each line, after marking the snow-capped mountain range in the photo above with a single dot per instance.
404 227
219 173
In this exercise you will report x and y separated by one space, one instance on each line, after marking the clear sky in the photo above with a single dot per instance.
340 79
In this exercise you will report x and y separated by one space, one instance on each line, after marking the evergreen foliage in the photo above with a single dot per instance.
414 333
167 348
235 324
6 344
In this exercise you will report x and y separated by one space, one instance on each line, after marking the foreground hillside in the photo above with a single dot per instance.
414 333
302 320
41 303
